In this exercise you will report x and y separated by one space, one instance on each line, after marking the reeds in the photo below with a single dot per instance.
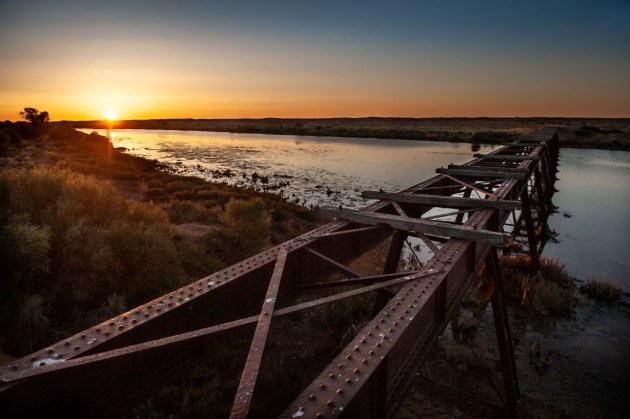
602 290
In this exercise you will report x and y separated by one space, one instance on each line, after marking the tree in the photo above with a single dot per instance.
34 116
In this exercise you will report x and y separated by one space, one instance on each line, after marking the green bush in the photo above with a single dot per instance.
250 219
187 212
77 244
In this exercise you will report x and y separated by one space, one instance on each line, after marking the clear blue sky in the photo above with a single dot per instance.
144 59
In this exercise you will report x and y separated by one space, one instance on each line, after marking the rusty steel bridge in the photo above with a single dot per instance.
464 215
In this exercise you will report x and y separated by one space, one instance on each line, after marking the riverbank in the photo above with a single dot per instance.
76 216
598 133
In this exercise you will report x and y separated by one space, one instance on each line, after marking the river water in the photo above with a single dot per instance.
590 371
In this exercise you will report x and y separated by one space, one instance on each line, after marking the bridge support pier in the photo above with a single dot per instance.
504 336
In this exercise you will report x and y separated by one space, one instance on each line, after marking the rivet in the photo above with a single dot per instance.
330 403
372 353
120 327
265 313
339 391
51 350
364 361
66 344
322 386
311 397
319 415
111 323
41 364
106 333
134 321
97 330
376 326
340 366
357 371
13 367
357 349
382 320
370 334
76 348
363 341
146 314
348 381
332 376
395 323
378 344
386 314
348 357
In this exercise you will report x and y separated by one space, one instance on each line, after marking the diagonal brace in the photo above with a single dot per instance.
245 392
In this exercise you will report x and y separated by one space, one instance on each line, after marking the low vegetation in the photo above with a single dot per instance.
602 290
87 232
549 291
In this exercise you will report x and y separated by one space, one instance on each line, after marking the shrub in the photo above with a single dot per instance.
26 247
600 290
186 212
5 139
86 241
14 137
250 219
32 326
551 290
26 131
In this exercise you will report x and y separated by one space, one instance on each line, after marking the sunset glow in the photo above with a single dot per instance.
110 115
168 59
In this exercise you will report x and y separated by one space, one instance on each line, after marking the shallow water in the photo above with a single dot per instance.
317 170
594 190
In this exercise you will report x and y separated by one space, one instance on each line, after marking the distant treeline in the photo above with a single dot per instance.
609 133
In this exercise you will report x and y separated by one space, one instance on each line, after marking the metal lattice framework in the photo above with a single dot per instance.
461 215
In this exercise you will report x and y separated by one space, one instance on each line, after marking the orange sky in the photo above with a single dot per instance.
237 59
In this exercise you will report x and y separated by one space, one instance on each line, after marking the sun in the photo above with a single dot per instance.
110 115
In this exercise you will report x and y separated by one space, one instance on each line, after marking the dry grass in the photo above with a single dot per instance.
602 290
549 291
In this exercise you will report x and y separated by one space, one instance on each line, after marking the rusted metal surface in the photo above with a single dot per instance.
109 368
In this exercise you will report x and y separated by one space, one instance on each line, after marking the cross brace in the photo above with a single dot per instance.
443 201
419 225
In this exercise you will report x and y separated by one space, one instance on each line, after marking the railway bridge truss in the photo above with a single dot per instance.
464 216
